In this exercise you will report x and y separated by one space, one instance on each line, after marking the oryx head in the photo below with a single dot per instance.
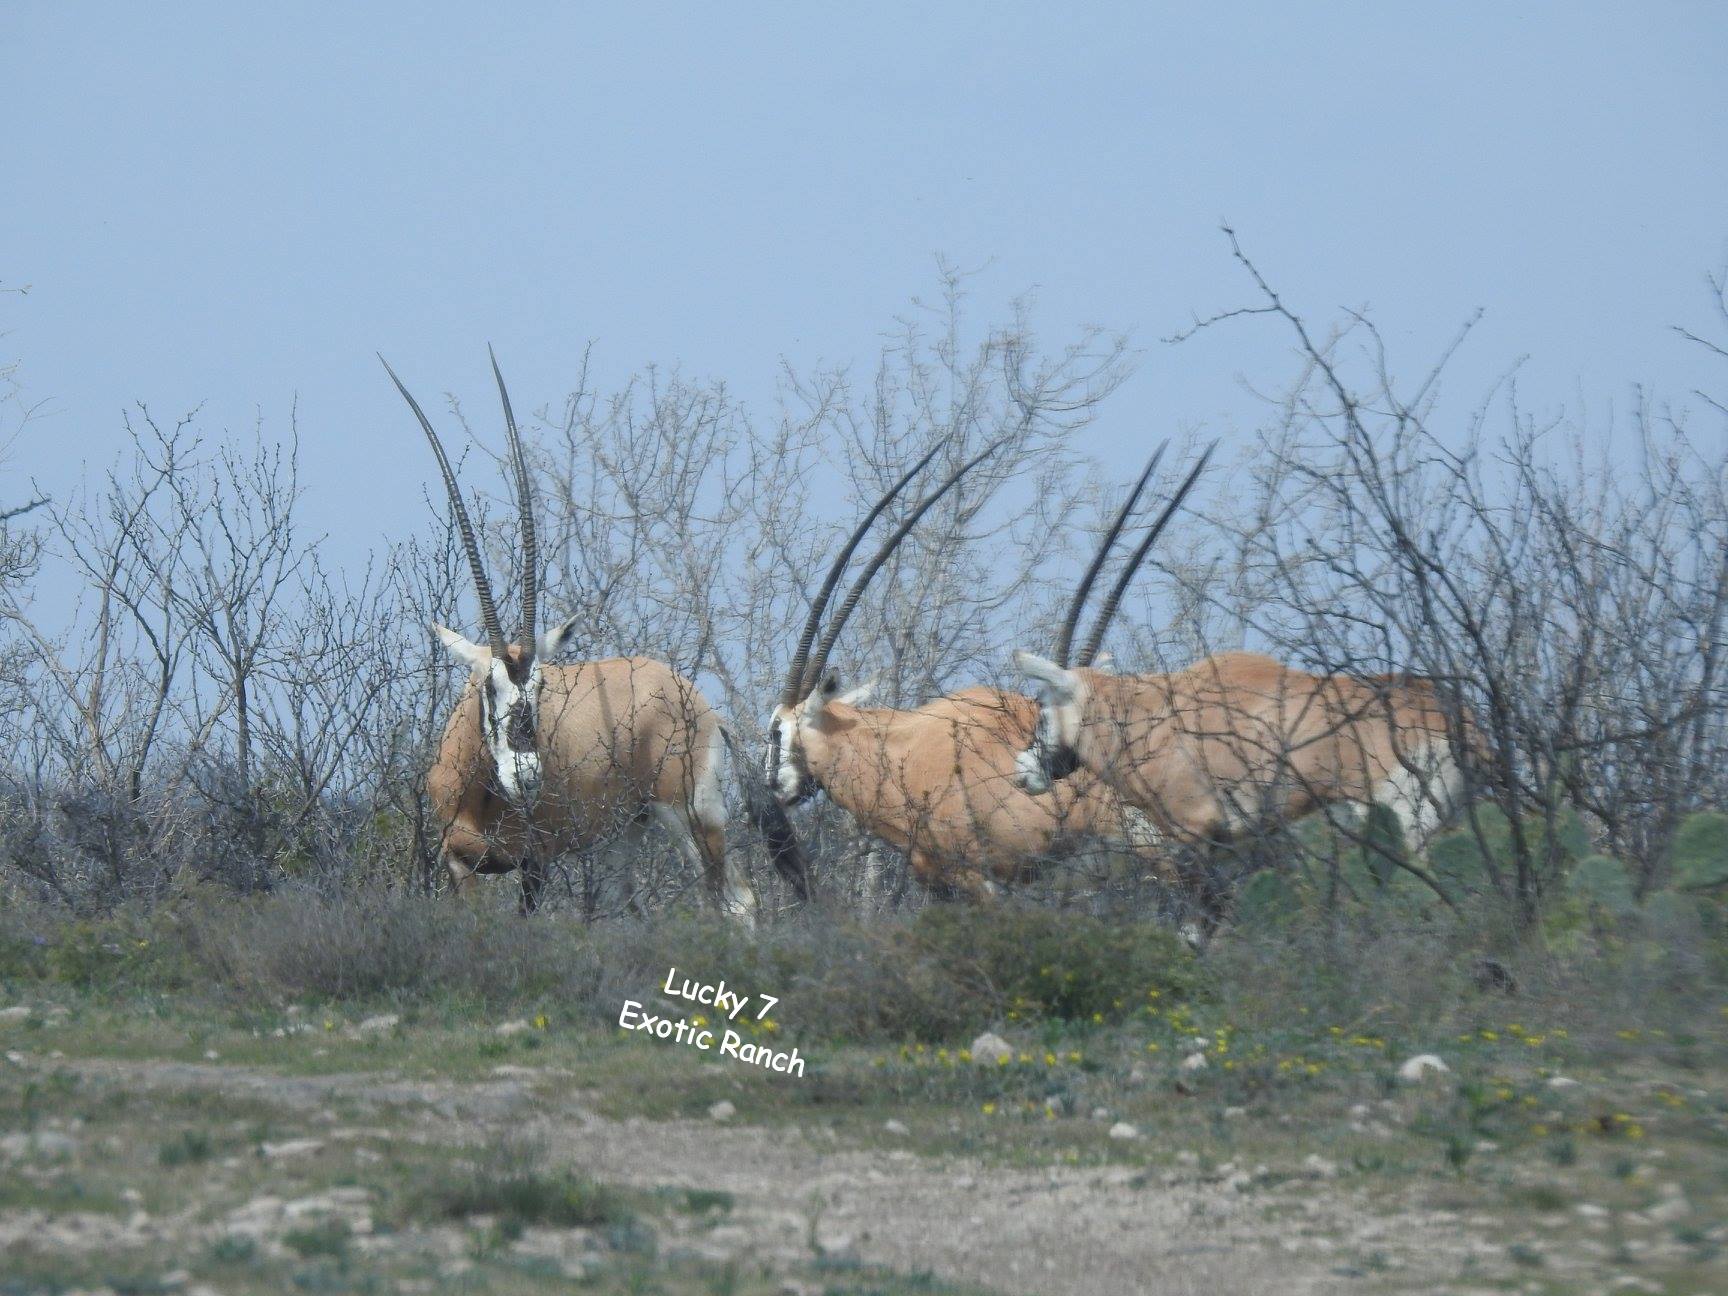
810 687
1059 735
505 675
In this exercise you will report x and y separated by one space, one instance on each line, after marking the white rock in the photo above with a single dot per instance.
290 1148
1421 1066
514 1027
379 1024
1562 1082
1670 1209
1235 1113
1187 1158
15 1016
54 1143
1100 1113
1123 1131
1590 1210
1318 1167
895 1127
1194 1062
722 1111
990 1048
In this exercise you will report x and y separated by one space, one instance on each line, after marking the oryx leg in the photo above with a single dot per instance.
462 852
533 883
963 882
701 840
1423 792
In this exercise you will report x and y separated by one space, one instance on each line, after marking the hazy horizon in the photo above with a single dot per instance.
238 211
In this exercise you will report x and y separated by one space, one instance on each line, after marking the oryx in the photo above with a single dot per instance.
935 781
1237 741
540 759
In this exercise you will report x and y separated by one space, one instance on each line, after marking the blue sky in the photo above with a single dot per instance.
237 205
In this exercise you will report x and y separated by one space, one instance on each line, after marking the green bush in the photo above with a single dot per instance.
1045 963
1701 852
1601 884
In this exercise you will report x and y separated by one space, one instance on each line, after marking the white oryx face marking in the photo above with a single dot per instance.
783 761
784 764
509 713
1053 754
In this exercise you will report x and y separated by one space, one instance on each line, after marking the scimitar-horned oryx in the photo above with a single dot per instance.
540 759
936 781
1238 741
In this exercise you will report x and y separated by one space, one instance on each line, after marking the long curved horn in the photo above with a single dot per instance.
814 671
789 693
1090 649
470 546
525 508
1065 640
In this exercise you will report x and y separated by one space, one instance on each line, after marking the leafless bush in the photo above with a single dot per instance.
1568 597
229 703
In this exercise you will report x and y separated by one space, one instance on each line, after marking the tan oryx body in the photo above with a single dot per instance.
538 759
623 743
937 782
1237 742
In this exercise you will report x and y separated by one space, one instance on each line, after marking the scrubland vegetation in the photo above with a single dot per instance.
219 933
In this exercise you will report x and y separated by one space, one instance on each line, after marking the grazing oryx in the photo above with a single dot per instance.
935 781
540 759
1237 740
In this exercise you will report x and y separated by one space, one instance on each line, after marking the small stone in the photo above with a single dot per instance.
897 1128
1188 1159
15 1016
290 1148
1318 1167
989 1049
1100 1113
1420 1067
722 1111
1235 1113
1562 1082
1670 1209
53 1143
211 1055
1122 1131
1590 1210
380 1024
516 1027
1194 1062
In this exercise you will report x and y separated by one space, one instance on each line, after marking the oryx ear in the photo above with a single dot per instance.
821 696
860 694
1058 683
474 656
557 639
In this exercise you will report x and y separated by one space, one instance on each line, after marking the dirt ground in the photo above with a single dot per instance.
1057 1231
